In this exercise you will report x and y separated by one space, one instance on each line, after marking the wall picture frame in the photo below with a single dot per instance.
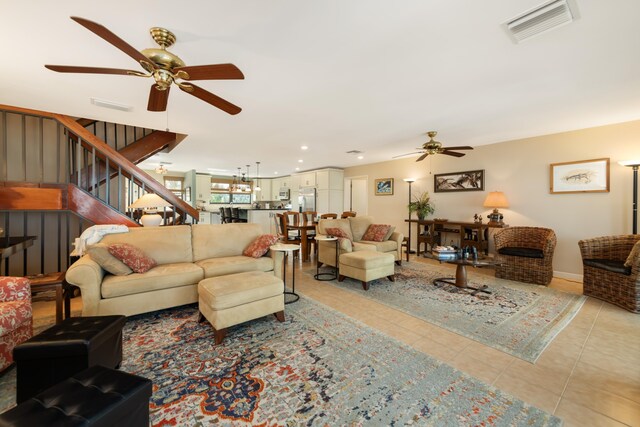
384 187
459 181
582 176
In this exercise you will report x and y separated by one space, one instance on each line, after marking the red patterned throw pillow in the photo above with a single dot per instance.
260 245
132 257
376 232
337 232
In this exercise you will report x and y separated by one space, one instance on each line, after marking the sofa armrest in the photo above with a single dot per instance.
278 263
14 289
87 275
397 237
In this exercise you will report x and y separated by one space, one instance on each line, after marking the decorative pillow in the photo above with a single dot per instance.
376 232
337 232
635 253
100 254
389 233
132 256
260 245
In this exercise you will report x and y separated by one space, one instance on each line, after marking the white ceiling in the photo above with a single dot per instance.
335 75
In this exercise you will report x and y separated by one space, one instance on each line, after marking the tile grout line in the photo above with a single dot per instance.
575 364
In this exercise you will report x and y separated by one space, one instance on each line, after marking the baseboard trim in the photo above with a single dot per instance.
568 276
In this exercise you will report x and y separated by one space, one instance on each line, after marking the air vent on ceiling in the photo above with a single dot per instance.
545 17
354 152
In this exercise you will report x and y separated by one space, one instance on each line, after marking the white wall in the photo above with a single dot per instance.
521 169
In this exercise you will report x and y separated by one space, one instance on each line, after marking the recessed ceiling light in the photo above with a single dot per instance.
304 147
275 173
300 161
110 104
297 169
360 157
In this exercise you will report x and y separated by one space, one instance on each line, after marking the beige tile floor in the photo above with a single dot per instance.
588 376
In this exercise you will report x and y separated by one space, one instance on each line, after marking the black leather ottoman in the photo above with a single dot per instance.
97 396
66 349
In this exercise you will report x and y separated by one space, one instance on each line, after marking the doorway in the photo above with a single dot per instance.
355 195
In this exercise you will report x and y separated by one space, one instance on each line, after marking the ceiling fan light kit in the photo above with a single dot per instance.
165 67
432 147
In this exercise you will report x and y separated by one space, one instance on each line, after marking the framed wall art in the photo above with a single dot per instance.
459 181
384 187
583 176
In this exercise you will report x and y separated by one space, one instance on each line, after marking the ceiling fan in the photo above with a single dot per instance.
165 67
435 147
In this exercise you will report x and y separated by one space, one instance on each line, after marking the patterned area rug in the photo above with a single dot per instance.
517 318
317 368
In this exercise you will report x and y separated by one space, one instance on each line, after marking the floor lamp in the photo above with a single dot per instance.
409 251
634 164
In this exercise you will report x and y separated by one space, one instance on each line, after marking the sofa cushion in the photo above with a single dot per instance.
612 265
160 277
132 256
234 264
260 245
633 255
154 241
14 314
377 233
364 246
523 252
389 233
359 225
100 254
222 240
342 224
386 246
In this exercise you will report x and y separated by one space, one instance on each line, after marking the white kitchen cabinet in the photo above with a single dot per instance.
330 179
307 179
203 187
265 192
329 201
204 218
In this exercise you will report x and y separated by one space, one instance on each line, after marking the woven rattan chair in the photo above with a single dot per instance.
612 269
525 254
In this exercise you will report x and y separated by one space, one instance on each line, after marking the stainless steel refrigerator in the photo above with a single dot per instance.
307 199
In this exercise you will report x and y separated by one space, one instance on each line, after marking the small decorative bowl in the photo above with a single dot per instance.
441 219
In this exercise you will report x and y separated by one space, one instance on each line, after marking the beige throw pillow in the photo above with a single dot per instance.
100 254
633 255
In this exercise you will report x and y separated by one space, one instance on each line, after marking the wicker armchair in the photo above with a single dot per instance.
612 269
525 254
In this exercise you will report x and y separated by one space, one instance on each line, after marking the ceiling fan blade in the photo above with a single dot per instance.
452 153
465 147
408 154
158 98
107 35
91 70
419 159
210 98
211 72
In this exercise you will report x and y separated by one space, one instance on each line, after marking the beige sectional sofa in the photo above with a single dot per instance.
184 254
355 228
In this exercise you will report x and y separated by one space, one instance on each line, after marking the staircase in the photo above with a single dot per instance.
60 175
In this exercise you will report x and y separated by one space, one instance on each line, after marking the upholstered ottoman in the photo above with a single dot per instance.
366 266
66 349
97 396
236 298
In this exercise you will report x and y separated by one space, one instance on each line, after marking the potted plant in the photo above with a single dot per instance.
422 205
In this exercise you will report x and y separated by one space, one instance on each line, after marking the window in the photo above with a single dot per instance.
223 192
241 198
220 198
175 185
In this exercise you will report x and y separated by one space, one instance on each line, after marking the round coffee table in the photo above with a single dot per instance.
461 281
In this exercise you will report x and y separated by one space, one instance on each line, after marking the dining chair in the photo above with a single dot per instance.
309 218
235 215
282 231
347 214
227 215
329 216
293 218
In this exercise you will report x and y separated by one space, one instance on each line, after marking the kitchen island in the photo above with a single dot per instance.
264 217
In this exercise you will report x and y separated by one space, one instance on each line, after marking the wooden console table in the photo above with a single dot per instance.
471 233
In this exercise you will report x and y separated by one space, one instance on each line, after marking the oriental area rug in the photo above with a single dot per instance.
318 367
517 318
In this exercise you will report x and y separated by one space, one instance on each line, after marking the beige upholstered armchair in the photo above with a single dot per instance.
612 269
525 254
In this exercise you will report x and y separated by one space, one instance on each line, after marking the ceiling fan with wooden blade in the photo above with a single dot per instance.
435 147
165 67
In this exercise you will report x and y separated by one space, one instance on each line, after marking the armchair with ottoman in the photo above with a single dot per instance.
612 269
16 317
525 254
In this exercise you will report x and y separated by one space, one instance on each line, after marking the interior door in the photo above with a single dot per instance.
356 194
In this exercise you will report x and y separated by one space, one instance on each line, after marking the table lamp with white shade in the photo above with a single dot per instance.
150 203
495 200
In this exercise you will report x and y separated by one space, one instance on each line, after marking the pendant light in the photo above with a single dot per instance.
258 177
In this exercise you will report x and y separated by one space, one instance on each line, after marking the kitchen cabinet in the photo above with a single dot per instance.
307 179
330 179
330 201
204 218
203 187
265 194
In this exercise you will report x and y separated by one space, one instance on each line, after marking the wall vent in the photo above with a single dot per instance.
541 19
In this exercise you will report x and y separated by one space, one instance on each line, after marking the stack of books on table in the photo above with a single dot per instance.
444 253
